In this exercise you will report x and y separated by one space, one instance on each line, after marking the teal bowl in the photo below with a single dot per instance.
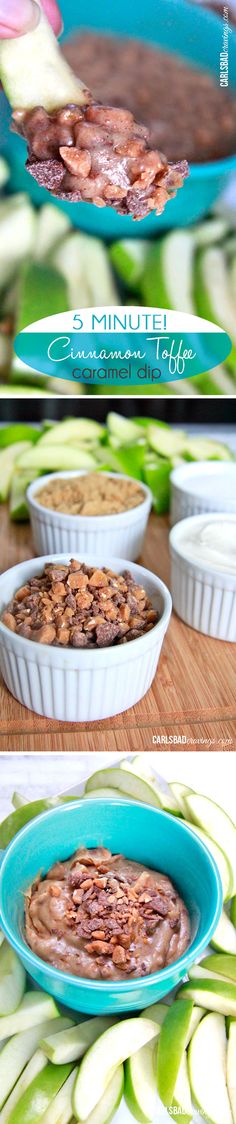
173 25
153 838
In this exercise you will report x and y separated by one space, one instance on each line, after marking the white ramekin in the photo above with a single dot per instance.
185 501
204 598
121 534
75 685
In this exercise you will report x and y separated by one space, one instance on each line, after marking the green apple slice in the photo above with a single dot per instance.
198 972
8 457
233 911
71 1044
60 1109
35 1007
140 1076
221 964
182 1104
73 430
215 821
35 1066
98 1065
179 793
35 1101
224 868
12 980
172 1043
231 1068
105 794
50 457
109 1103
127 783
214 995
224 936
2 938
19 1049
207 1069
140 1084
142 769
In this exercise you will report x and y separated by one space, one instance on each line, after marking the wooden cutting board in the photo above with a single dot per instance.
193 696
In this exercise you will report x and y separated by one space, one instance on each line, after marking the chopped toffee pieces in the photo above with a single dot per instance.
106 917
91 494
98 154
80 606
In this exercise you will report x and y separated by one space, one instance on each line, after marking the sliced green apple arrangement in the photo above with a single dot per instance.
143 448
47 267
180 1054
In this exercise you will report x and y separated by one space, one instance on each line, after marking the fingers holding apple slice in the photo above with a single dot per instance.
207 1070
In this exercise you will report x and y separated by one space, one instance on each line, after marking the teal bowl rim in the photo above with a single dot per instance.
213 168
117 987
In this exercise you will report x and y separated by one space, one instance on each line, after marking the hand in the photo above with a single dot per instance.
19 16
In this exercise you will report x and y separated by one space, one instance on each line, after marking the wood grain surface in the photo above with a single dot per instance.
193 696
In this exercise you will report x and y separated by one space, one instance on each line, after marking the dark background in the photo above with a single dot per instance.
178 411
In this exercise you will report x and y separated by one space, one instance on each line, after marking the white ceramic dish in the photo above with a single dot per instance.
121 534
202 486
205 598
75 685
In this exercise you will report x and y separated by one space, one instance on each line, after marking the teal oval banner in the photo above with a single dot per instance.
120 346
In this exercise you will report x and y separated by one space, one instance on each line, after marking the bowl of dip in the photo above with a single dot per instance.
203 573
186 32
132 834
203 486
110 516
69 677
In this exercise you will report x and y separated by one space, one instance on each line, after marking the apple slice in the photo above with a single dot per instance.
109 1103
231 1068
233 911
214 995
212 819
97 1067
2 938
36 1064
140 1085
207 1069
198 972
179 793
221 964
182 1104
35 1101
60 1109
35 1007
172 1043
224 868
105 794
140 1076
134 787
142 769
224 937
69 1045
12 980
18 1051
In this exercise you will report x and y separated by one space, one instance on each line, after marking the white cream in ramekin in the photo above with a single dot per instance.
202 486
121 534
74 684
203 573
